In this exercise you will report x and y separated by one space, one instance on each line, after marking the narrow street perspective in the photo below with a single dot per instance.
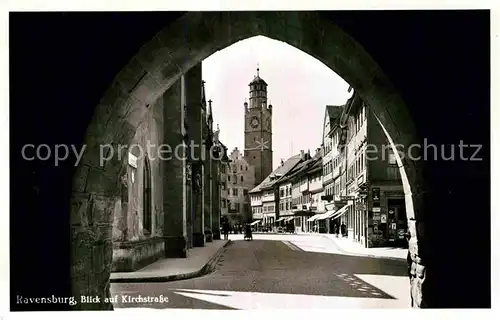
280 272
250 160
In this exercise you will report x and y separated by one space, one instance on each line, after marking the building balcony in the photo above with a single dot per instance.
304 187
268 198
327 178
257 216
314 186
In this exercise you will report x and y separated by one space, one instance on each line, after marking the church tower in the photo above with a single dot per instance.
258 130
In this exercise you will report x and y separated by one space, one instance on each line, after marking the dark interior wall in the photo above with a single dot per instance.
61 64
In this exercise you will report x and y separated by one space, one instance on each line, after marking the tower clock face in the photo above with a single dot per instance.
254 122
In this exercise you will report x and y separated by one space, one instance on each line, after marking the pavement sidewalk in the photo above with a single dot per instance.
200 261
349 246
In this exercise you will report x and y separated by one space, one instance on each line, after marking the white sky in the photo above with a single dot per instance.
299 88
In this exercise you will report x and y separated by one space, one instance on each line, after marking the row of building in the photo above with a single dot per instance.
170 204
350 185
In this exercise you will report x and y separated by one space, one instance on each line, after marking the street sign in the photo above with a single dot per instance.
340 204
376 209
346 198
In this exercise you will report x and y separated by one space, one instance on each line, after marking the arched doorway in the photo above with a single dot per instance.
196 35
147 214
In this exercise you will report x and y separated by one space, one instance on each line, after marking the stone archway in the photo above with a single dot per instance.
162 61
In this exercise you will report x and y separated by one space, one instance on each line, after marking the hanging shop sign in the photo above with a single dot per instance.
376 209
383 218
132 160
360 206
401 234
376 197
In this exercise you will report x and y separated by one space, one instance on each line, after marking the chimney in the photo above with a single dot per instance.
302 154
282 162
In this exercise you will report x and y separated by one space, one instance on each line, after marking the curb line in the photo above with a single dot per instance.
281 234
206 269
362 254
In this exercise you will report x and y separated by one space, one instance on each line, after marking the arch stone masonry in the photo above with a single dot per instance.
184 44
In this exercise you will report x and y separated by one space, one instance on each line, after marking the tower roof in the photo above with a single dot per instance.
257 79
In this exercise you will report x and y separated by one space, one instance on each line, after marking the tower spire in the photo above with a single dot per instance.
209 113
203 96
258 69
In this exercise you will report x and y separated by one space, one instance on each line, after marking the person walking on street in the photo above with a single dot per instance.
343 230
225 227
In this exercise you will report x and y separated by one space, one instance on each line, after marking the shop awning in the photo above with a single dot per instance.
340 212
311 219
291 218
280 219
326 215
255 222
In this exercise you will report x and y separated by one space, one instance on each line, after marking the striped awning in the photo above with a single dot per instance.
340 212
326 215
311 219
255 222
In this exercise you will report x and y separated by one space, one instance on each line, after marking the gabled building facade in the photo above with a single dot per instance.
266 194
240 180
363 194
331 171
221 185
293 196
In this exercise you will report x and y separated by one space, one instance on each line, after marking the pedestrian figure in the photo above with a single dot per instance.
343 230
248 232
336 230
225 227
